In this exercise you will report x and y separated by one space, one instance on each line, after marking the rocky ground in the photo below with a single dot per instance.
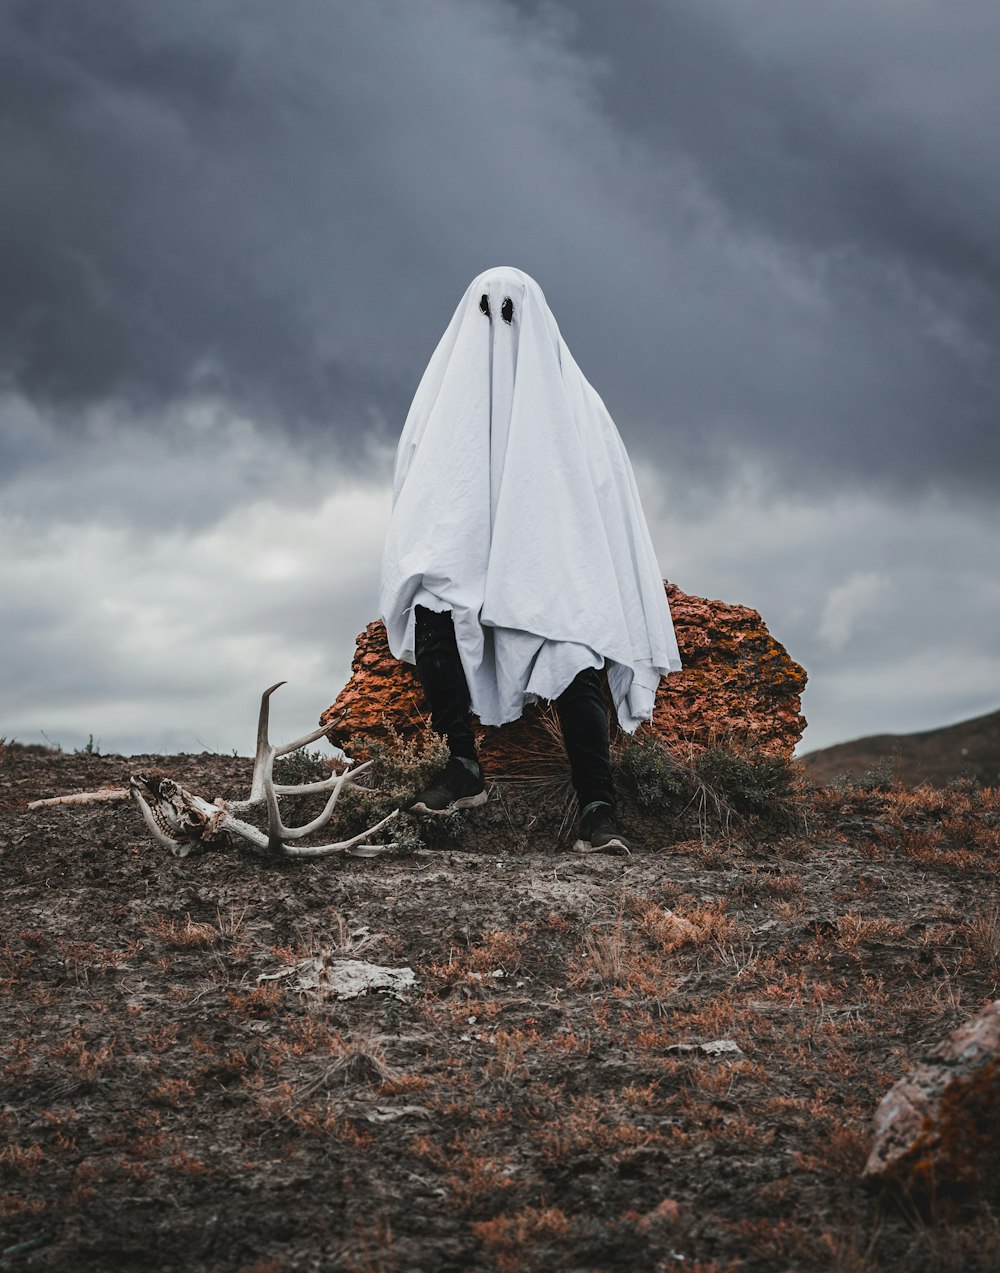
667 1061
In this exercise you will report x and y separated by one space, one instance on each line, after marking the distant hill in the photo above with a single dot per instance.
969 749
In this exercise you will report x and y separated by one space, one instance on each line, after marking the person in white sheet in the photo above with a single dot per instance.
517 563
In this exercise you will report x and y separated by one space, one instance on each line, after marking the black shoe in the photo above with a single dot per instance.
600 832
459 785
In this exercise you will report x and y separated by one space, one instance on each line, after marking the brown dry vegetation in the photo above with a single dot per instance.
534 1101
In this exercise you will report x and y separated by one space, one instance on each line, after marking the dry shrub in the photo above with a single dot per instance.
14 1205
318 1120
508 1060
361 1058
402 1084
400 768
335 938
505 1237
184 934
373 1249
84 1061
944 829
690 923
475 1177
592 1124
853 929
498 950
848 1248
304 1036
186 1164
557 923
781 1240
982 934
845 1151
972 1245
617 957
742 959
263 1001
666 928
346 1060
628 951
36 939
161 1036
172 1093
717 1018
713 789
931 848
22 1159
839 1148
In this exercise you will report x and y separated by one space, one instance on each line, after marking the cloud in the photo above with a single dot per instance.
165 640
920 649
764 238
219 200
854 601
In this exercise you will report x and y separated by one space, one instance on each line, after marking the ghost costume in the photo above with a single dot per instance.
515 508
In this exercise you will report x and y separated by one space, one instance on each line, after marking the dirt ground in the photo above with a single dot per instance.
662 1062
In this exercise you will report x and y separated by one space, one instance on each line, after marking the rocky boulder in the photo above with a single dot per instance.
737 683
937 1132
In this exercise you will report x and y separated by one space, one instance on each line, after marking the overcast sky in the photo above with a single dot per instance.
231 234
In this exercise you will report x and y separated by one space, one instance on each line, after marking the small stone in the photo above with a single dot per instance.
341 978
715 1047
937 1131
722 1047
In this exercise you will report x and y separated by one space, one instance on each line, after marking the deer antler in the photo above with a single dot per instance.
179 819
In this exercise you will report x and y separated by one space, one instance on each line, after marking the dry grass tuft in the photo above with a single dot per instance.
506 1238
617 957
982 935
184 934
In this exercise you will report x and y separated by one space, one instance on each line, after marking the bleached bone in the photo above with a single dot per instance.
105 795
179 819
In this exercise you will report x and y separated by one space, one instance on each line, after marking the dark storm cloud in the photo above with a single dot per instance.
146 234
764 229
261 204
838 127
857 141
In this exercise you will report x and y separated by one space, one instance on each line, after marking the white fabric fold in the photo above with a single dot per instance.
515 507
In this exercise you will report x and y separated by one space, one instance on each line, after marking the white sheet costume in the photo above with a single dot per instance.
515 507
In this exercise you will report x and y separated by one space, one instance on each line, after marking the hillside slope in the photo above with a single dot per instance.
969 749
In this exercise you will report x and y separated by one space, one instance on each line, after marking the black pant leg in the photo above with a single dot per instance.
584 720
440 671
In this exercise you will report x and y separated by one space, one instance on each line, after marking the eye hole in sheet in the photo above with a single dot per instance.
484 304
507 310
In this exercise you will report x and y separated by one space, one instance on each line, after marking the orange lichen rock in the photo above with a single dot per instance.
937 1131
738 683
